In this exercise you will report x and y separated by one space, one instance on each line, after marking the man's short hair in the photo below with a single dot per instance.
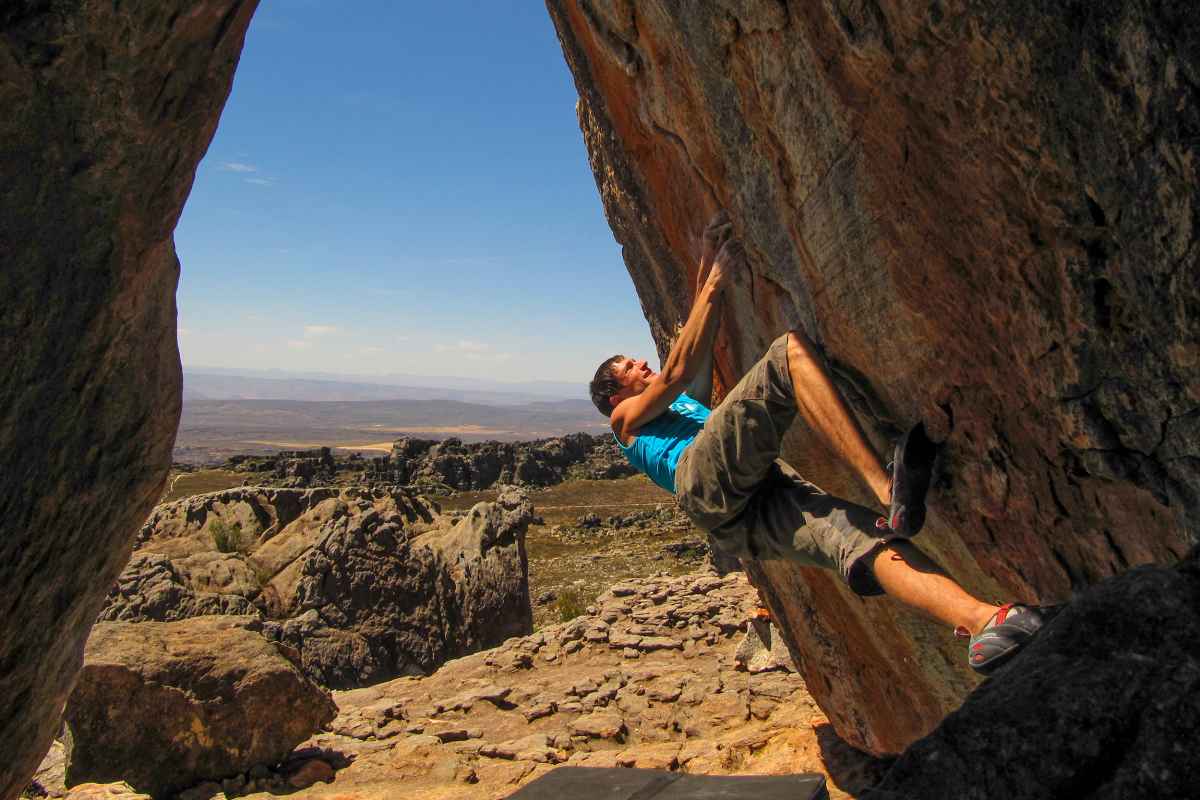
605 385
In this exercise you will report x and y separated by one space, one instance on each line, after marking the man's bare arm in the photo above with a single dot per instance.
688 353
701 387
716 233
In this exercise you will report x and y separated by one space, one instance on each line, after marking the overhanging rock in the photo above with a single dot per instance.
986 216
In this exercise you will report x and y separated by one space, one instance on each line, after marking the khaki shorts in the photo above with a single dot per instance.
731 483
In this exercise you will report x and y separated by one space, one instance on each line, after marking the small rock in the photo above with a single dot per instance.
598 725
651 643
539 710
456 734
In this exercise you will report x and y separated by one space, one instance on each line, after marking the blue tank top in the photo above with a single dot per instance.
661 441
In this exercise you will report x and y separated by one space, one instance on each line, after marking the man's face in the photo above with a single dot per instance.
633 375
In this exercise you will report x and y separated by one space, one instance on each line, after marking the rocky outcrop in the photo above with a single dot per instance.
985 215
154 588
542 462
107 110
165 705
364 583
367 603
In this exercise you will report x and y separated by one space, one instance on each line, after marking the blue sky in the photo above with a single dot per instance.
402 187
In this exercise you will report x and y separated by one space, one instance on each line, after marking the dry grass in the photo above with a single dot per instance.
581 567
186 484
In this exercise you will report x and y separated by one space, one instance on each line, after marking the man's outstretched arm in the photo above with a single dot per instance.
689 352
715 235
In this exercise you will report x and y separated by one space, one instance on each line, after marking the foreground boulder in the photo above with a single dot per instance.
1104 703
364 583
108 108
985 215
165 705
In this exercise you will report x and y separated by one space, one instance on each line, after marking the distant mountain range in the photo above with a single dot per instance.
232 384
226 414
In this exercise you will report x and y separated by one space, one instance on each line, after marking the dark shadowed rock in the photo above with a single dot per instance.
986 215
107 110
166 705
1104 704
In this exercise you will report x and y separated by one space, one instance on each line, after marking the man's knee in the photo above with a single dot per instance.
798 346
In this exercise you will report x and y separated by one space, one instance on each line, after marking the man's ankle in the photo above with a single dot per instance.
982 616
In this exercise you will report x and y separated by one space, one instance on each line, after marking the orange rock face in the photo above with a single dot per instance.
986 217
107 110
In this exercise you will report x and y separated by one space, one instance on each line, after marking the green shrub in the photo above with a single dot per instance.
571 604
227 538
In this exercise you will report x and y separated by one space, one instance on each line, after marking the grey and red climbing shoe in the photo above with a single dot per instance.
1009 629
911 470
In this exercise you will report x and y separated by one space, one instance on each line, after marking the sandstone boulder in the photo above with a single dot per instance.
165 705
985 215
107 111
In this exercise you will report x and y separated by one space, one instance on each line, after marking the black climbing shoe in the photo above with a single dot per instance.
911 469
1009 629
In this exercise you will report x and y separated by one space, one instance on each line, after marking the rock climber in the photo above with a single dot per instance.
723 466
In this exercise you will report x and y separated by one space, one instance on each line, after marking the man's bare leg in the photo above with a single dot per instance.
911 577
902 570
821 405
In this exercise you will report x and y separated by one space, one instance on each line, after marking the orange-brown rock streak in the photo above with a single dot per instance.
986 217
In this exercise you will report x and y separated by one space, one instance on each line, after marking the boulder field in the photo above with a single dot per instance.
985 214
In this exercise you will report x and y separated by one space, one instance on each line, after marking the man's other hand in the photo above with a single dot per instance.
730 259
717 232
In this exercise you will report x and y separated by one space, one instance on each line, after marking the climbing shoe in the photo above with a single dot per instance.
1009 629
911 470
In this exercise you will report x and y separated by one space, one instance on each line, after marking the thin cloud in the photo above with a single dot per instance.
261 181
237 166
464 346
298 344
473 351
313 331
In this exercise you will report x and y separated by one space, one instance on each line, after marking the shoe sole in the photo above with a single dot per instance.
913 461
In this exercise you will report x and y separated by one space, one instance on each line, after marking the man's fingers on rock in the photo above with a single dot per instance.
718 235
731 252
717 220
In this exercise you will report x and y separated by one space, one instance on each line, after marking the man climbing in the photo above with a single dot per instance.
723 466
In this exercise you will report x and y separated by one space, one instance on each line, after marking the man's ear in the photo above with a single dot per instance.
617 398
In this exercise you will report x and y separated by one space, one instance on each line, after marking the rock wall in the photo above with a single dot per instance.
985 214
107 110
